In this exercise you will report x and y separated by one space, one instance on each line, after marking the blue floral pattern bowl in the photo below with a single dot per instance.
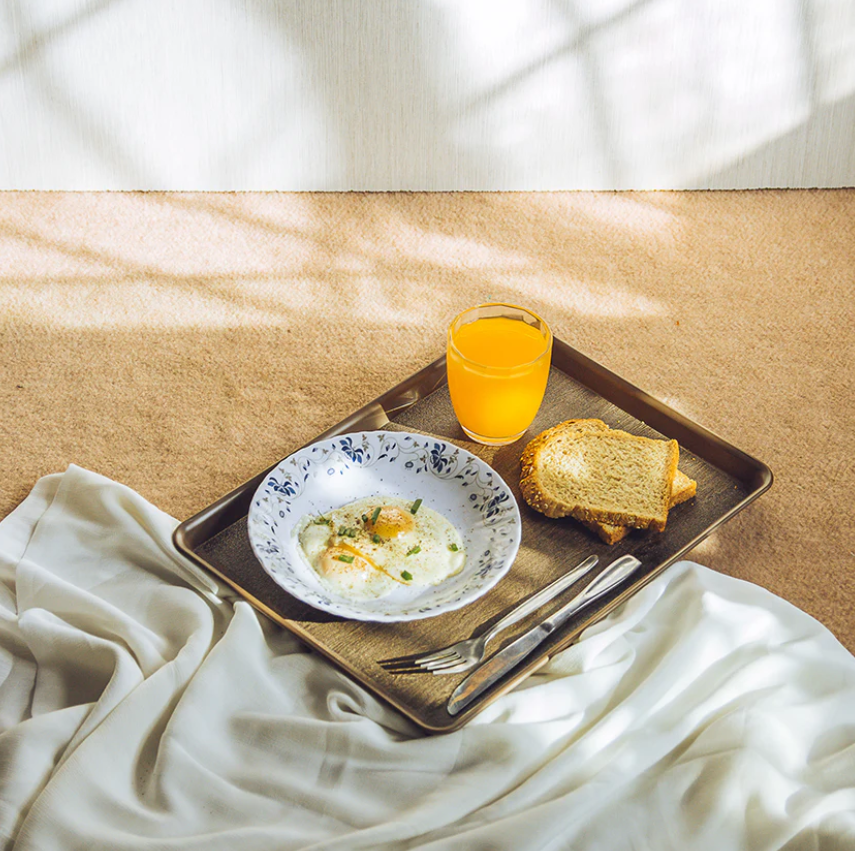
334 472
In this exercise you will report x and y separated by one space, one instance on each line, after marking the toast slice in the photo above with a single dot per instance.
555 435
584 469
682 490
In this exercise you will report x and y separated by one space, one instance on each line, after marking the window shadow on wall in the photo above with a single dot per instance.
94 132
406 96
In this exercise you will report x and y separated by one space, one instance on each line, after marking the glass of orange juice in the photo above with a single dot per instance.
498 362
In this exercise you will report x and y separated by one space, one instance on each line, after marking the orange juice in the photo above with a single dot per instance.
498 366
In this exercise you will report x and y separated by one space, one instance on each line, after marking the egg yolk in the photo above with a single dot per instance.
353 562
341 560
391 522
345 560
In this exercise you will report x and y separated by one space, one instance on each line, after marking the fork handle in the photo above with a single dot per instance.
543 596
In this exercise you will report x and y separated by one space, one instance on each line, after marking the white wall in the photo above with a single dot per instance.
448 94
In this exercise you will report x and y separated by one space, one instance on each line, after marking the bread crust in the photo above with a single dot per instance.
538 497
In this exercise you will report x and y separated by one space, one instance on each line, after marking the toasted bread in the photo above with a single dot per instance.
682 490
585 470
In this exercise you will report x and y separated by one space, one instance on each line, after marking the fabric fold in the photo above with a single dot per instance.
142 706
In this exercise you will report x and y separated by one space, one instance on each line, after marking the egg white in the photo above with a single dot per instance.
405 548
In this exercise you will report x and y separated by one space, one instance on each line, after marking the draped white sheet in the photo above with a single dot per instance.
141 707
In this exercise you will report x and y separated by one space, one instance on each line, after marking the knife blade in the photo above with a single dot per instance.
509 657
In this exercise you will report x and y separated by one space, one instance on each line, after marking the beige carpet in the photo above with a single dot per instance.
180 343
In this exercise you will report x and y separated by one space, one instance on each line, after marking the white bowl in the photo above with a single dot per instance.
342 469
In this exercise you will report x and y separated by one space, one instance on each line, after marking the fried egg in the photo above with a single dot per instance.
366 549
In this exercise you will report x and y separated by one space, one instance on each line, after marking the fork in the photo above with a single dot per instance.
468 653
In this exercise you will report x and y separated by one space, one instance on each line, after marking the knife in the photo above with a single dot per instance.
509 657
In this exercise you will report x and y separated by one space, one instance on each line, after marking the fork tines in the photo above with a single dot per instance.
441 660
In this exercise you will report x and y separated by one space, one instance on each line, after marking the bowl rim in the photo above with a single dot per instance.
352 607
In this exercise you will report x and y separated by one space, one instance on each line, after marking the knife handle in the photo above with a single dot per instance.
617 571
506 659
543 596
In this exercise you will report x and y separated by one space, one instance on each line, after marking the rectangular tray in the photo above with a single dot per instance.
728 479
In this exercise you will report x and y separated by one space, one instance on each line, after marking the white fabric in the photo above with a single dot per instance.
140 710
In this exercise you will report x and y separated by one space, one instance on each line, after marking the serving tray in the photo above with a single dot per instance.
728 480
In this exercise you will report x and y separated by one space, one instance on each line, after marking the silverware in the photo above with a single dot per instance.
468 653
509 657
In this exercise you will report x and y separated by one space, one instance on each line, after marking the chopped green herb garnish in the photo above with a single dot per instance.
416 506
364 518
345 559
377 539
321 521
414 550
453 547
342 530
375 515
405 574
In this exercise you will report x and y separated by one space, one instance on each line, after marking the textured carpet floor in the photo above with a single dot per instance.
179 343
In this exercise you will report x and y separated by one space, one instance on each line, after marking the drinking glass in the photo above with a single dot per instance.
498 360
